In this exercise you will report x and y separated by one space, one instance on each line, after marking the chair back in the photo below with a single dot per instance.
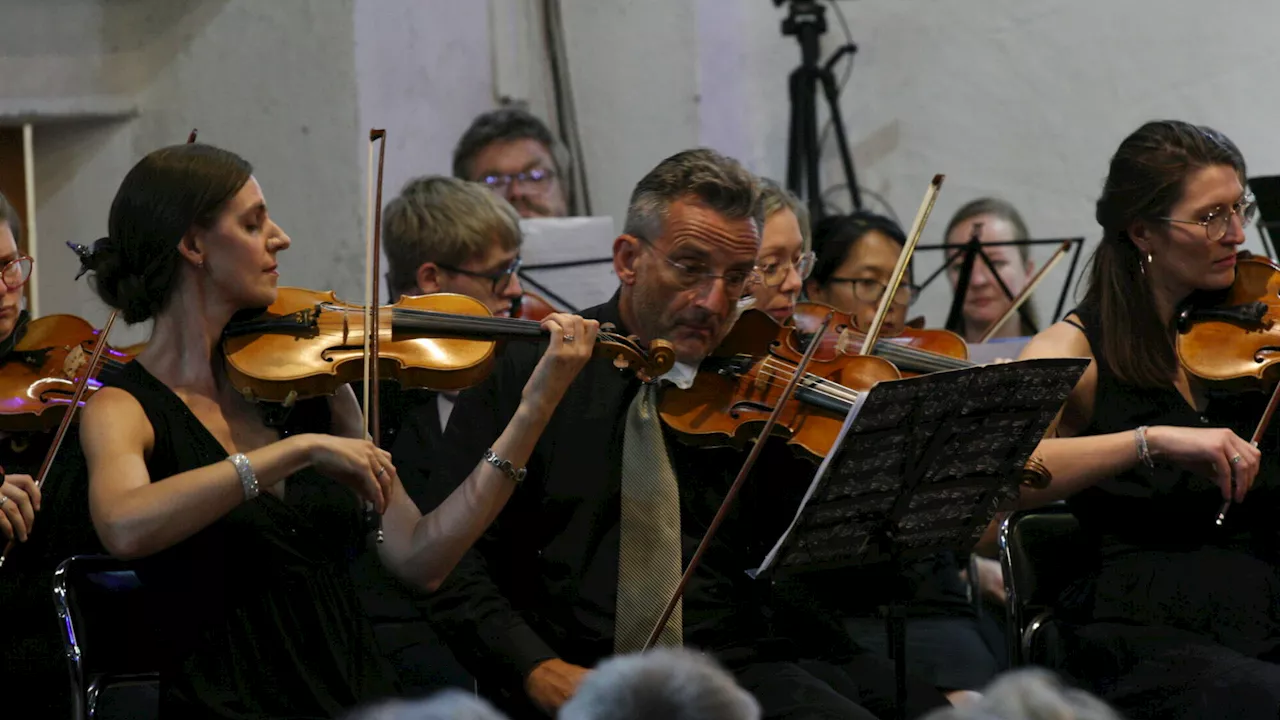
1041 551
112 647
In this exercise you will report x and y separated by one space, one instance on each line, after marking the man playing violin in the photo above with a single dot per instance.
785 258
440 234
1179 616
579 566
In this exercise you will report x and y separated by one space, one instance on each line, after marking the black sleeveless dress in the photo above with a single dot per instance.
257 611
1179 618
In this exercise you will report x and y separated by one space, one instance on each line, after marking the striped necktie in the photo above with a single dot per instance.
649 549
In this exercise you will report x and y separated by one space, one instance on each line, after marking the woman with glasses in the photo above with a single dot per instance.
1177 615
854 260
35 667
948 643
785 259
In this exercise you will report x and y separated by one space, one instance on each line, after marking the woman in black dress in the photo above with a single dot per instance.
242 531
1179 617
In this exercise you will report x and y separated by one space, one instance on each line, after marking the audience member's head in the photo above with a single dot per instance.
444 705
515 155
447 235
1030 695
668 684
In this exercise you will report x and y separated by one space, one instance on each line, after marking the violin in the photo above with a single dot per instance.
308 343
1232 337
913 350
38 377
742 381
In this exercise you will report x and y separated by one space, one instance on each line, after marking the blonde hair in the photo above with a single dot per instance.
777 198
446 221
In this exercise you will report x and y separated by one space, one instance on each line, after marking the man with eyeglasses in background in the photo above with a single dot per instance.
514 154
580 563
440 235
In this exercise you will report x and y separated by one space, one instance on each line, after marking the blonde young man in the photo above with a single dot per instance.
440 234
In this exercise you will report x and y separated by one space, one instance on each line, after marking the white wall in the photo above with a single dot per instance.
1025 100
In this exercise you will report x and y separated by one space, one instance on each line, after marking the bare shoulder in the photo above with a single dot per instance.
1066 340
112 415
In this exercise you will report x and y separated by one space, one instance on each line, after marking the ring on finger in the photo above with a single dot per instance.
4 499
382 470
568 337
1236 459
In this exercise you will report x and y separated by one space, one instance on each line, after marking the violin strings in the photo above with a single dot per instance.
830 388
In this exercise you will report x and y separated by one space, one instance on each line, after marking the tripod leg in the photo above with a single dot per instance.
811 151
837 126
795 159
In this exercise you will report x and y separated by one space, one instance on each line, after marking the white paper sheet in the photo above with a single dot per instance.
549 241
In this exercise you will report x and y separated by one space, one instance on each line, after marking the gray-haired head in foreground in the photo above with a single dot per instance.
444 705
1030 695
701 175
665 683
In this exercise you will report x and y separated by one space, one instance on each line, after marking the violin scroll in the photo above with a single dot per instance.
627 354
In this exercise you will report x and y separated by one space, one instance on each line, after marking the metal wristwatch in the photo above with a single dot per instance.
505 466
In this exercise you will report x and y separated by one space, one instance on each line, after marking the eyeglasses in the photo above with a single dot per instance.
501 280
537 178
869 290
15 273
690 274
1216 223
775 273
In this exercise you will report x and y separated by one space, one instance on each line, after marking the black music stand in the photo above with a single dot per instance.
975 250
921 466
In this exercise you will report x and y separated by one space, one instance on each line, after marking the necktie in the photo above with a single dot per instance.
649 552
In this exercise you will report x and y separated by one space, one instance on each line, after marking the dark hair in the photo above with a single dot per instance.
1004 210
507 123
1146 179
9 214
169 191
717 181
835 236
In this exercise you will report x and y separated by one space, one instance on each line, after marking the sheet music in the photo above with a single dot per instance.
813 486
557 241
929 459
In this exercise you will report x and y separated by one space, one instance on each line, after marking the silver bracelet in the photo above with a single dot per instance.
1144 454
248 481
505 466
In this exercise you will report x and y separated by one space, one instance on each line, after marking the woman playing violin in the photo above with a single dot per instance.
949 645
785 259
18 495
243 531
855 258
1180 617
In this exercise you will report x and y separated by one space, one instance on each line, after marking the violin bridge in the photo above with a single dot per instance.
843 341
